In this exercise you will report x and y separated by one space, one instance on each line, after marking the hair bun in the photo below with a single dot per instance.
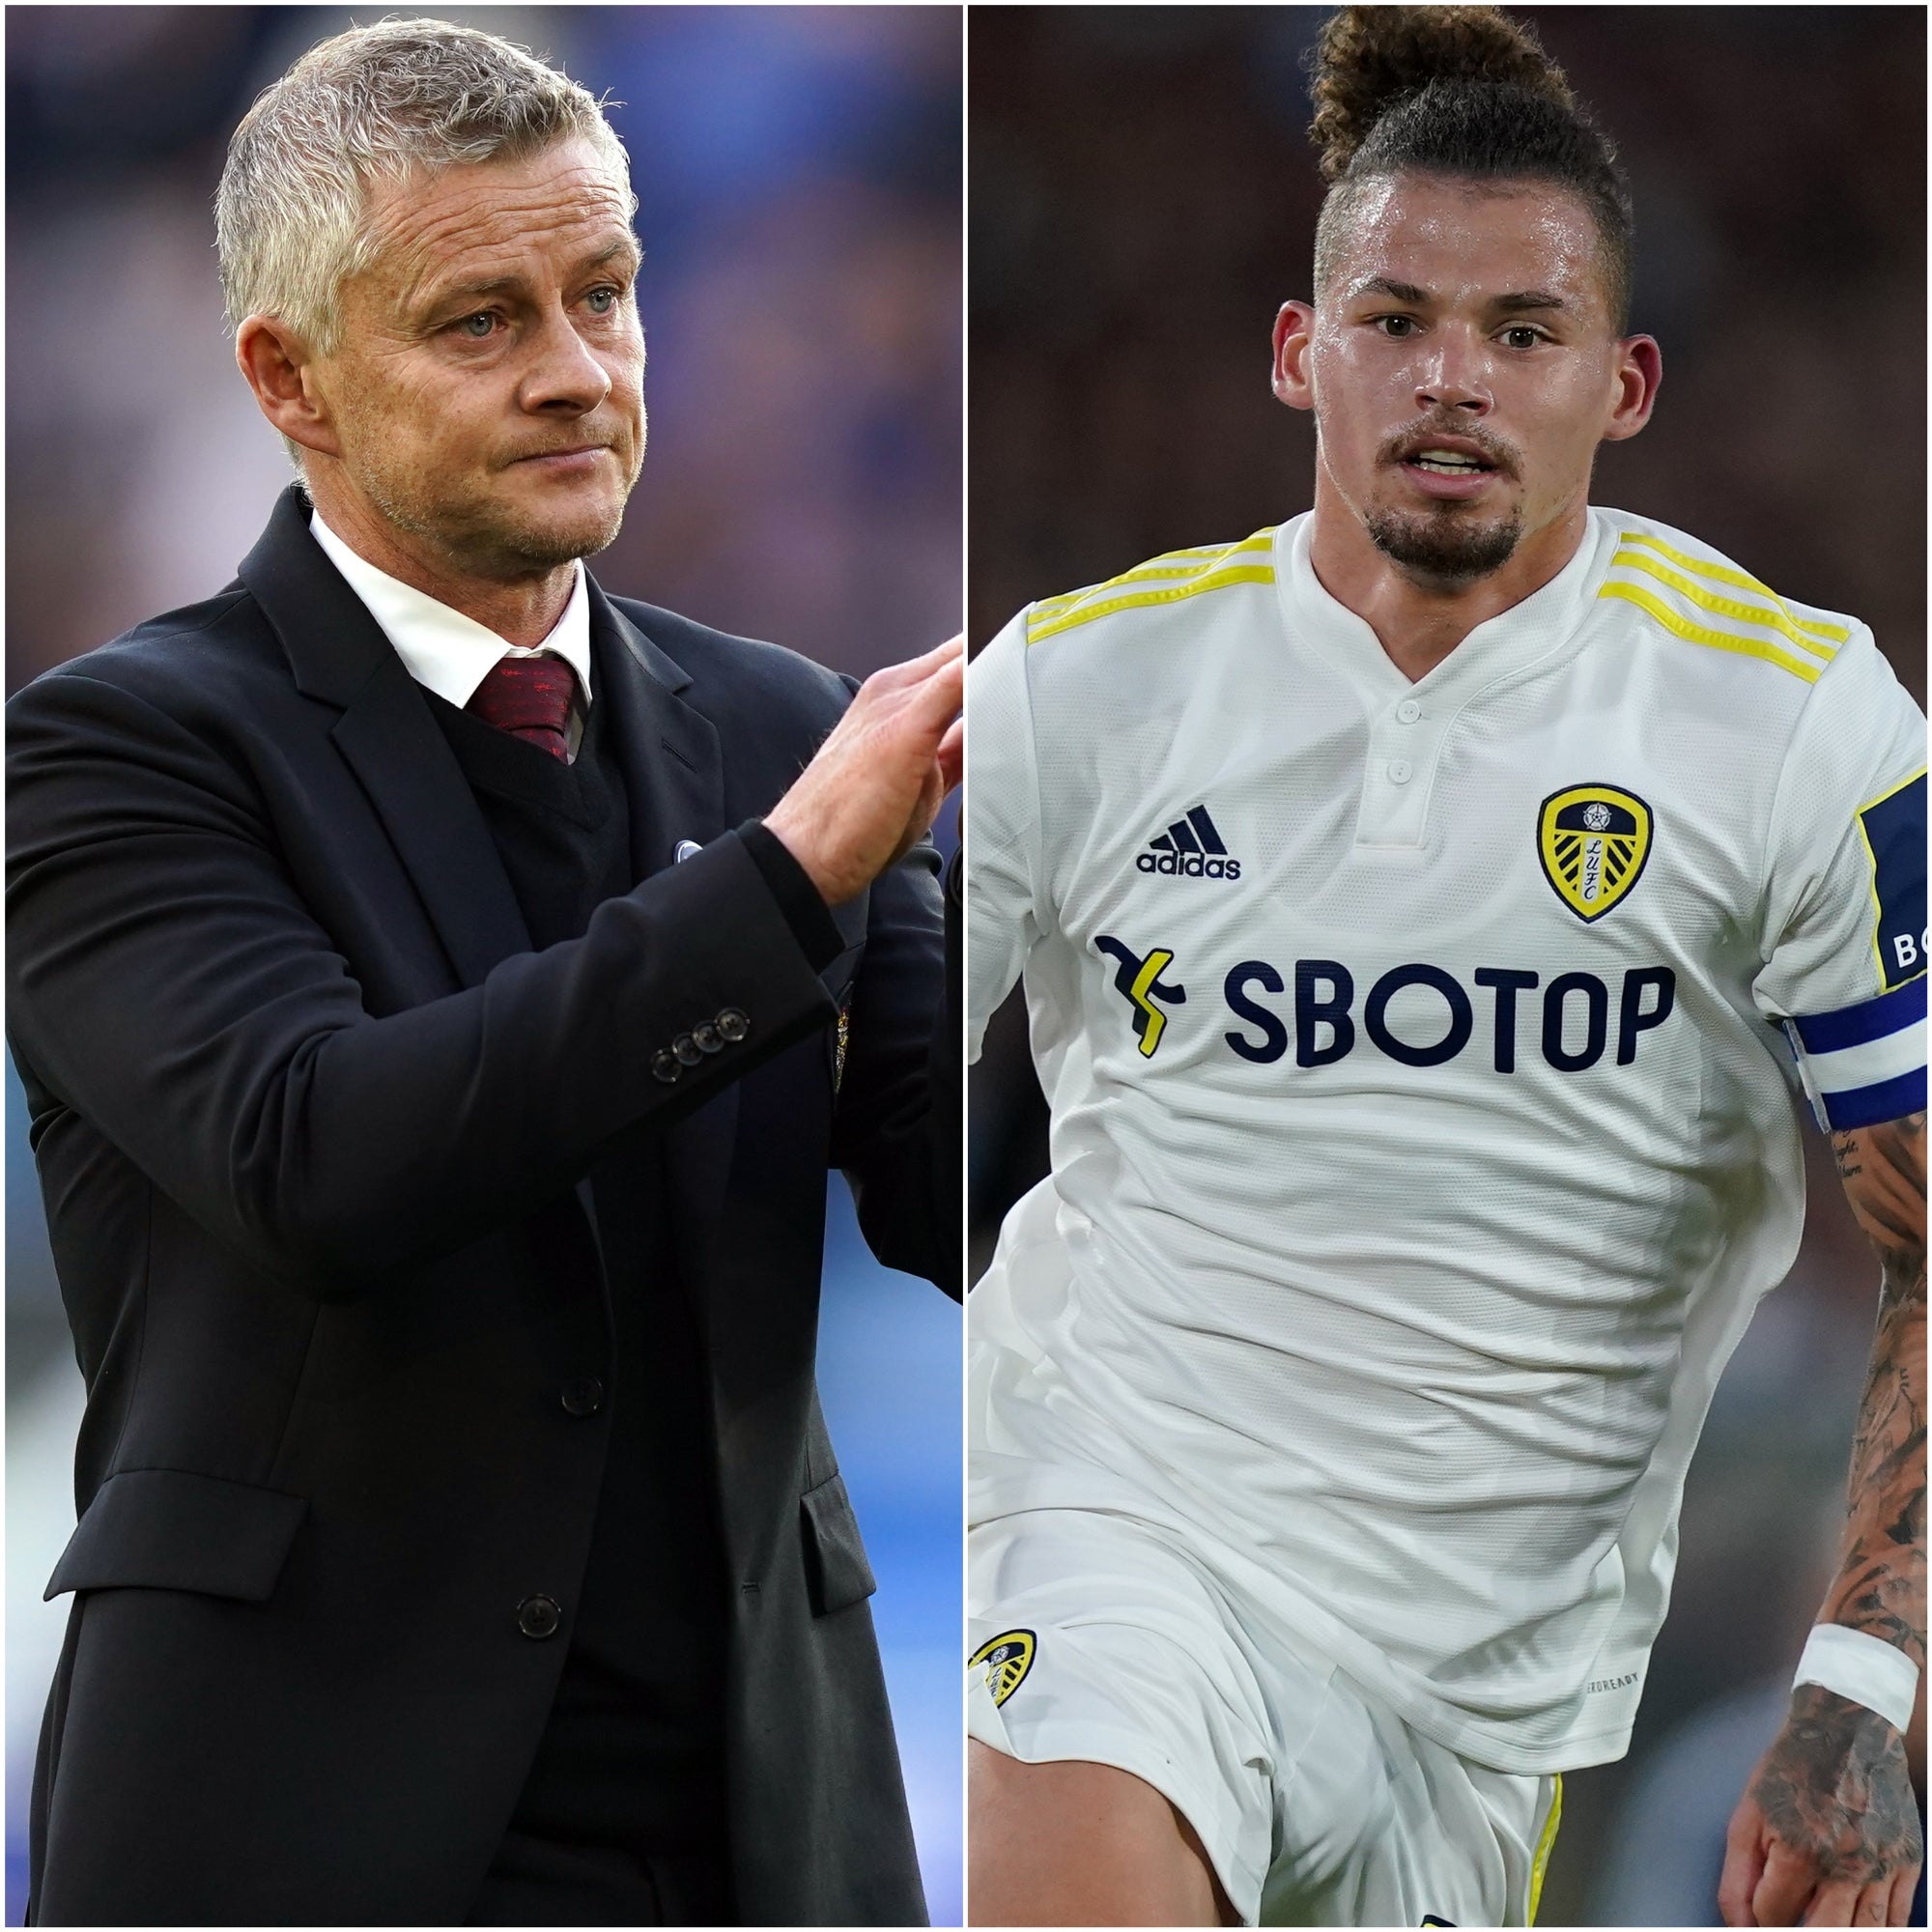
1367 58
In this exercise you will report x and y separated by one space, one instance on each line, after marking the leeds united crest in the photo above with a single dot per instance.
1593 840
1007 1658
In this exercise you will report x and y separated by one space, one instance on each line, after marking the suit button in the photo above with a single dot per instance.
665 1067
708 1037
733 1024
539 1616
584 1398
687 1049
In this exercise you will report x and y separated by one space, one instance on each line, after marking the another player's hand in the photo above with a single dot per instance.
1828 1831
879 779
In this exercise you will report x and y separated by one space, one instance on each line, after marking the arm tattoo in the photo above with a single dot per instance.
1834 1785
1880 1588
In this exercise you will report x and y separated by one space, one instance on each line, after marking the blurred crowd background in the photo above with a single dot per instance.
1142 199
798 170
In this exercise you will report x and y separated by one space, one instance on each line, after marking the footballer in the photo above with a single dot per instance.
1428 911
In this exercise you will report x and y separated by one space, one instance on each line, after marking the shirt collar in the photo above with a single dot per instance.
1503 644
442 648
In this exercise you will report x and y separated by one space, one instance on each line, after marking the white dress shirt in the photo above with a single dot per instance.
448 652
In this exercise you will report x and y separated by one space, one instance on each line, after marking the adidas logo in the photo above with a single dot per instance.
1190 848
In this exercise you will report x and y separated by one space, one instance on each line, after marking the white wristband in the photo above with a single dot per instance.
1866 1669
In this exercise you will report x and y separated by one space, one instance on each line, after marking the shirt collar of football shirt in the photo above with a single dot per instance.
1409 725
1506 642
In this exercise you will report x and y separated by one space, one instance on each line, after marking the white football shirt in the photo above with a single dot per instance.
1421 1060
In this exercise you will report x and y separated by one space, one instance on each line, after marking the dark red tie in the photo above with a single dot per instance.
528 697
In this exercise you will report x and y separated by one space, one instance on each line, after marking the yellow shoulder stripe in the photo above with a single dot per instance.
1720 640
1720 573
1178 573
1776 619
1169 563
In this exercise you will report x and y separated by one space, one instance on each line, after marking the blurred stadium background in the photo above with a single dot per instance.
799 174
1142 199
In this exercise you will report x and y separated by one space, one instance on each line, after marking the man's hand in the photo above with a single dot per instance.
1827 1833
879 778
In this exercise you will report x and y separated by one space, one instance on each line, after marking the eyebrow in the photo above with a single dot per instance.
1516 302
1401 292
438 298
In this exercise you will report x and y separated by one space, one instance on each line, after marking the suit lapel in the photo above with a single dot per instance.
427 808
338 654
673 764
673 770
744 1309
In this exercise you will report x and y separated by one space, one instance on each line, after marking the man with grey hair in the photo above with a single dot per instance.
439 989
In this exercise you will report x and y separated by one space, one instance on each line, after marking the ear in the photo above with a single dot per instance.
1640 375
1293 334
281 370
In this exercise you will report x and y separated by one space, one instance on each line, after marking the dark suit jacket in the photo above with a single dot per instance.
310 1121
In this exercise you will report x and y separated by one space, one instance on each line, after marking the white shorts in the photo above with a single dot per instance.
1100 1637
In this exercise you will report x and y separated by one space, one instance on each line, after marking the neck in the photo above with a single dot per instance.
522 607
1419 623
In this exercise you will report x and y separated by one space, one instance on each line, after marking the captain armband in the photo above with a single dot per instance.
1864 1064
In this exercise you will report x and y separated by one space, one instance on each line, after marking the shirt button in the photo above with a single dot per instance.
687 1049
1401 771
665 1067
583 1398
1408 711
708 1037
539 1616
733 1025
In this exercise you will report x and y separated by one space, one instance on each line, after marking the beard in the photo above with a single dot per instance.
1441 546
1446 547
